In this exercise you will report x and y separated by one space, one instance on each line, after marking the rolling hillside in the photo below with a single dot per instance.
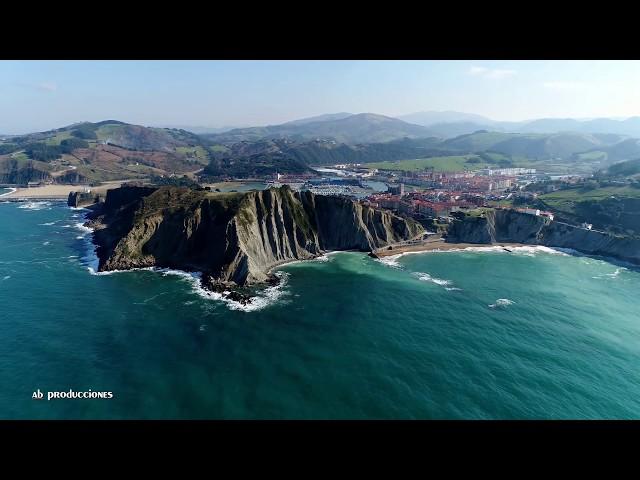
113 150
429 118
353 129
533 146
94 152
628 127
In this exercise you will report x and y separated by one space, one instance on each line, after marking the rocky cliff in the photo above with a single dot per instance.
511 226
83 199
234 237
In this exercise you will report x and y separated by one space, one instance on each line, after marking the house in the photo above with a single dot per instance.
530 211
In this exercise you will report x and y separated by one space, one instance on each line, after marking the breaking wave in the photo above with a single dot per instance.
35 205
261 300
502 302
391 260
611 275
324 258
425 277
527 250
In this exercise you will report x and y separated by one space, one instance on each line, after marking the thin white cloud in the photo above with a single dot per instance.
563 85
477 70
499 73
42 86
492 73
47 86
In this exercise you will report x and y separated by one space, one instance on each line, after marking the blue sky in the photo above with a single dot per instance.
40 95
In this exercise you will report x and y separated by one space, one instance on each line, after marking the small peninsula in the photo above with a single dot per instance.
234 239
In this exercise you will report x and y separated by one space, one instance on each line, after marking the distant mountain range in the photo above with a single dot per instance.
427 119
320 118
109 150
199 130
350 129
451 124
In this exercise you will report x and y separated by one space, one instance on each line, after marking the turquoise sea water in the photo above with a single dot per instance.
475 334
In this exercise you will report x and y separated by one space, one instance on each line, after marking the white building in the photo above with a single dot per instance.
508 171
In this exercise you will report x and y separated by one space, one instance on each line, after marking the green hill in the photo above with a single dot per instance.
107 150
613 208
353 129
22 171
285 156
626 169
481 140
533 146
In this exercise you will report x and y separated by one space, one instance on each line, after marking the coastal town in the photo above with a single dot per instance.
430 197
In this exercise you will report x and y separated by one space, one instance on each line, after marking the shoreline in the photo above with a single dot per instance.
441 246
52 192
12 190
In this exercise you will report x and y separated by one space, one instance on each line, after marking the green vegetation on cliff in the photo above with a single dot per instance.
235 237
611 208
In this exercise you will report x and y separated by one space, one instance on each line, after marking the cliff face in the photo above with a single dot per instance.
510 226
234 237
83 199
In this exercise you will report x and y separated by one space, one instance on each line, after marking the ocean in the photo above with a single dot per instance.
476 334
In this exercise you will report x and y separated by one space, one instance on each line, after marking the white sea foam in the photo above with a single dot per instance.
391 260
80 226
34 205
425 277
610 275
527 250
616 273
48 223
502 302
6 277
263 299
91 258
46 243
324 258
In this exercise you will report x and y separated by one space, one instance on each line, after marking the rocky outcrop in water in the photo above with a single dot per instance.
234 237
83 199
510 226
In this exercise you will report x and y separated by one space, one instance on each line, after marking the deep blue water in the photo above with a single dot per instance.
475 334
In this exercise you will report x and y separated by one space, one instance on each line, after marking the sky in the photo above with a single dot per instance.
41 95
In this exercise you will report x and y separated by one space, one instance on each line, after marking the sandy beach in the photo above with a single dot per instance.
440 246
54 191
